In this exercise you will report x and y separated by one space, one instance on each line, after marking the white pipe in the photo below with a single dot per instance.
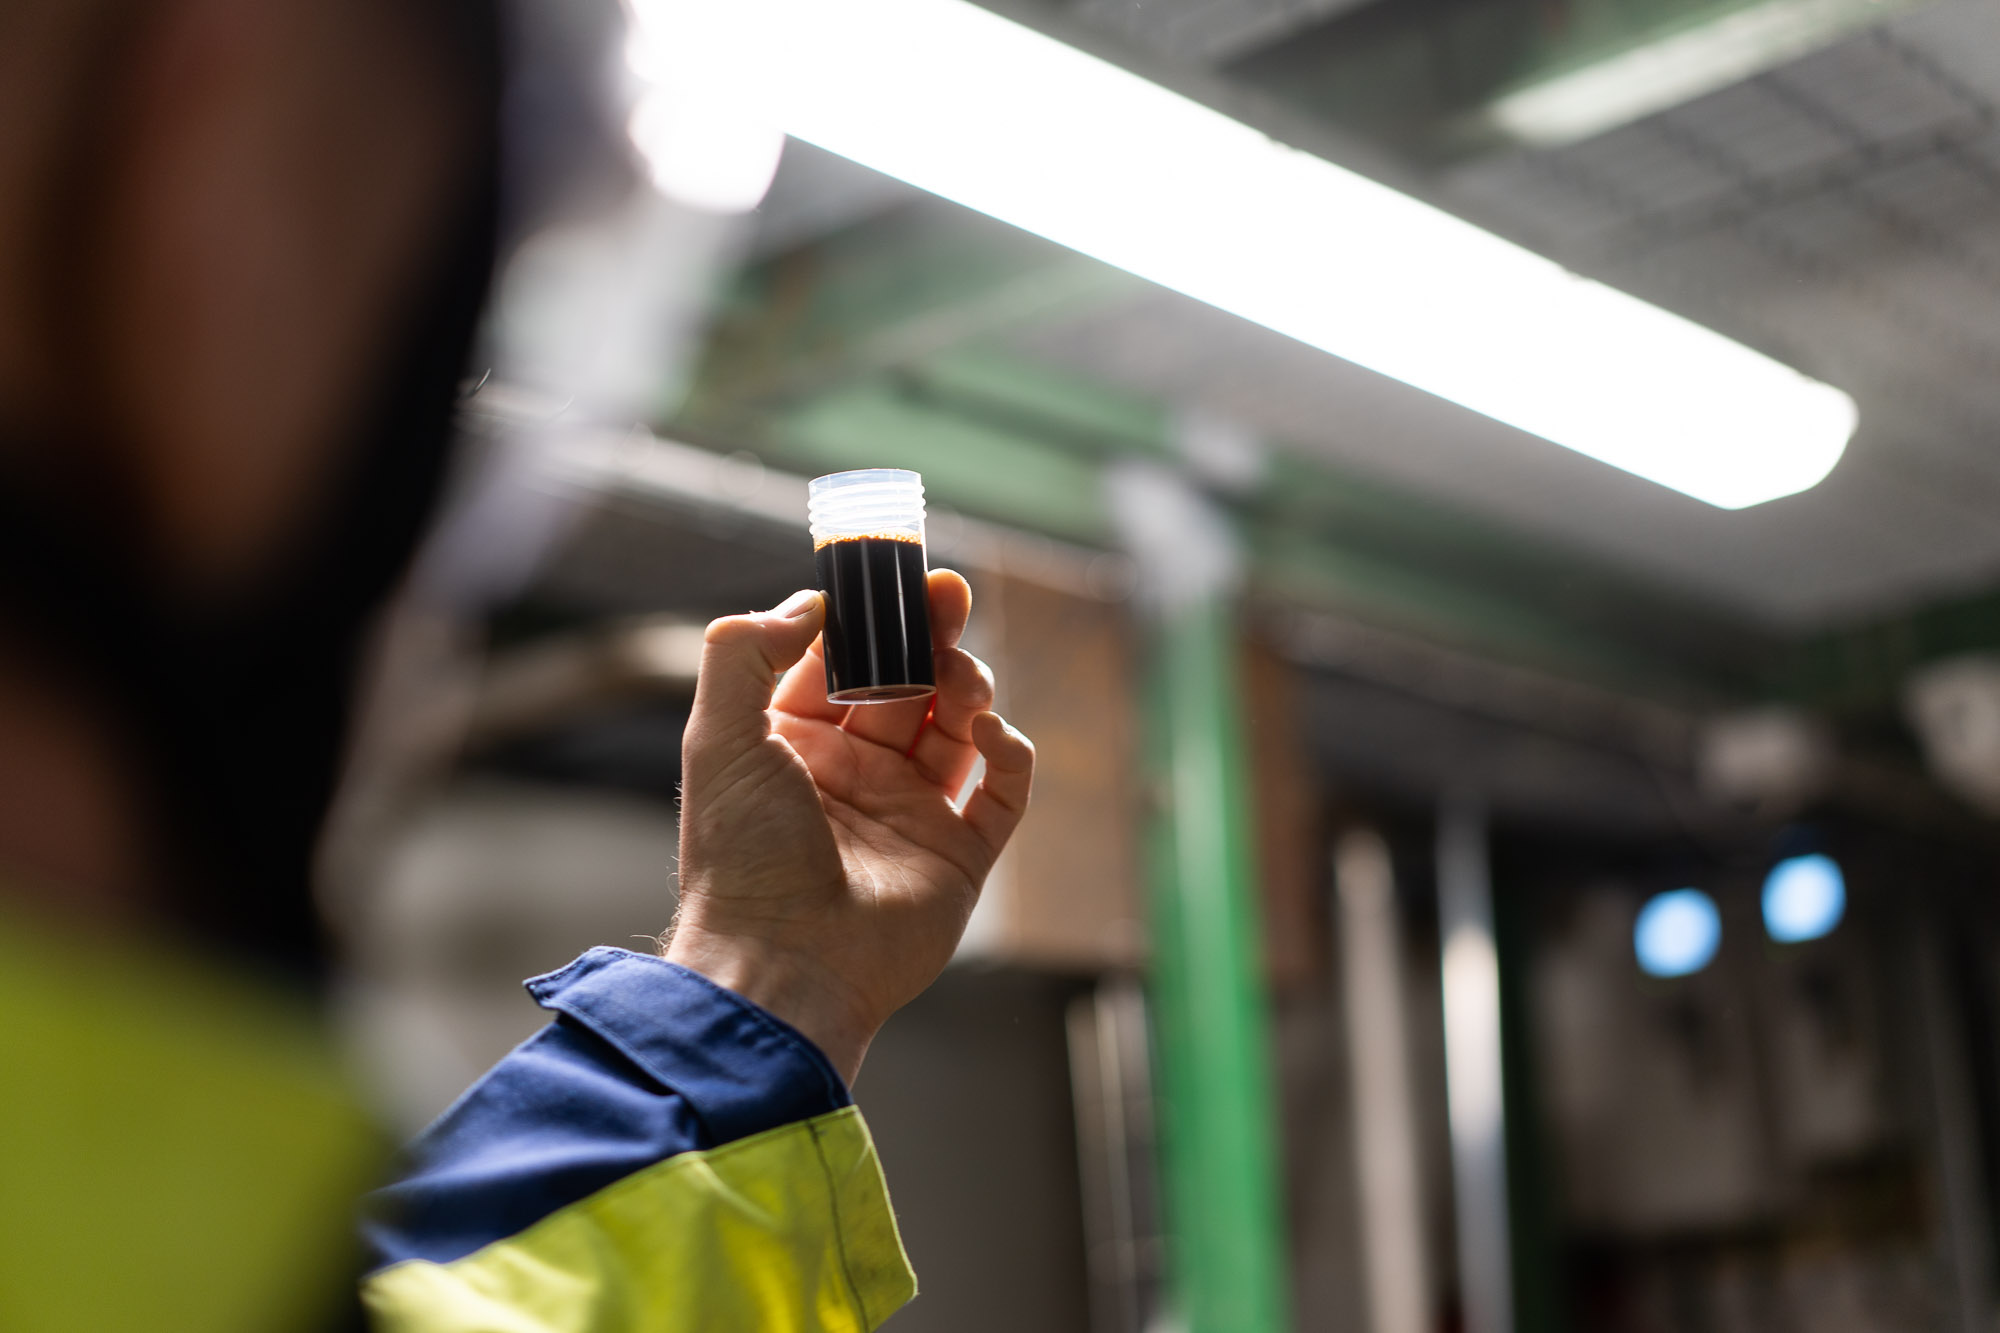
1385 1141
1474 1087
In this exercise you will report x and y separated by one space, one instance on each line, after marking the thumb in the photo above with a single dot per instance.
741 657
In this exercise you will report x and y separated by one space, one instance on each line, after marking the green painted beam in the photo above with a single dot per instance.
1219 1169
1566 597
1299 568
1024 395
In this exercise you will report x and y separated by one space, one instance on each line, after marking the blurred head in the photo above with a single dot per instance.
243 244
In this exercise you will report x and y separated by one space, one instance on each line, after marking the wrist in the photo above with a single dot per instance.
798 990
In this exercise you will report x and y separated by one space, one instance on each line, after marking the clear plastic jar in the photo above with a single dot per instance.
868 549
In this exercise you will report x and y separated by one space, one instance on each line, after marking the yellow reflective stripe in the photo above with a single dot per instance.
788 1231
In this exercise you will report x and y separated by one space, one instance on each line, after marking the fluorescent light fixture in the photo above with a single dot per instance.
1677 933
1676 67
963 103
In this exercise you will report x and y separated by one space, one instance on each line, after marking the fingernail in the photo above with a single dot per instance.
798 604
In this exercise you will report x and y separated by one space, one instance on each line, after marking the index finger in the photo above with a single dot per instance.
950 598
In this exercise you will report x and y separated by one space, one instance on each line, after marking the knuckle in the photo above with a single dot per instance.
979 681
966 677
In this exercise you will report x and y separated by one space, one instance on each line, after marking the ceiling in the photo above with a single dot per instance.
1206 31
1841 212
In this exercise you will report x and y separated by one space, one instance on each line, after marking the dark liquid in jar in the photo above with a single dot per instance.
878 621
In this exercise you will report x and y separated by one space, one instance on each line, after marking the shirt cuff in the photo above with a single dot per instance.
741 1069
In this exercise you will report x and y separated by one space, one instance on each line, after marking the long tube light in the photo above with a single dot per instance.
1000 118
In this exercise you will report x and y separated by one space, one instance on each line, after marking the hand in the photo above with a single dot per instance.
824 871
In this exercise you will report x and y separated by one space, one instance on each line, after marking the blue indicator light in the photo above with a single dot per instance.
1677 933
1804 898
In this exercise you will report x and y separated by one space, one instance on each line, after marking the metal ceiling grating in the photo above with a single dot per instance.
1841 212
1204 31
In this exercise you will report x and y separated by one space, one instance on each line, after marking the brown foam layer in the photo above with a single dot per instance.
911 538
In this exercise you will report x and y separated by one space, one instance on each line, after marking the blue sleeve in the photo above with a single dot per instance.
643 1061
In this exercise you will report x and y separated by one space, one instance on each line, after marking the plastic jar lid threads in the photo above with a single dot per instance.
868 502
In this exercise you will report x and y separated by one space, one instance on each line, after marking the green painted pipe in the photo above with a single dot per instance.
1218 1156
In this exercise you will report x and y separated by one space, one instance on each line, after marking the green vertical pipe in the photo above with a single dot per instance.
1218 1158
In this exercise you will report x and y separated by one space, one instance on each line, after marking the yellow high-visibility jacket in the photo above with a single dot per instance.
177 1154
